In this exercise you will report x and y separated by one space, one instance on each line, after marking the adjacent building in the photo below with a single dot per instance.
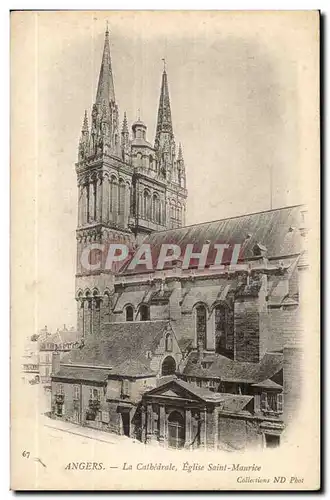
60 342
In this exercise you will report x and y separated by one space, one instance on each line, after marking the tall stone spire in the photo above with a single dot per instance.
164 129
105 88
105 137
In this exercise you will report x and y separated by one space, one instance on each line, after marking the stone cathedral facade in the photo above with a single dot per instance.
183 357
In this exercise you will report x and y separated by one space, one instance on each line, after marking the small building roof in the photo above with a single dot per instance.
228 370
268 384
122 347
176 388
81 373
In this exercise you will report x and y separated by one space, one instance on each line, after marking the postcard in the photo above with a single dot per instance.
165 186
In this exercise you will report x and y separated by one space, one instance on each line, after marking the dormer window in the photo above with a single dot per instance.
125 388
271 402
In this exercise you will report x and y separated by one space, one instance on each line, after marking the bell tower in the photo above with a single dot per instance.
104 175
127 189
170 165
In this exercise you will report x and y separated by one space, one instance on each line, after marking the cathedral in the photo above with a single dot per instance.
185 358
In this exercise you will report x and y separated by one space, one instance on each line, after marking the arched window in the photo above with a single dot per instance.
106 307
156 208
168 342
144 313
113 195
129 313
172 210
139 159
151 162
168 366
146 205
179 213
201 325
121 197
131 201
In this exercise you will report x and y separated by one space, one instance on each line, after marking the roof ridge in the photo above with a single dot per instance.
229 218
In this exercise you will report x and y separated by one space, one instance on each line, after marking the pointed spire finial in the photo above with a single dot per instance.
164 61
125 126
180 155
139 114
85 122
164 128
107 28
105 88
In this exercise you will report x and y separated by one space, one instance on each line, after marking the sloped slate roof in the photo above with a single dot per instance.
272 229
122 347
268 384
235 403
228 370
133 297
79 373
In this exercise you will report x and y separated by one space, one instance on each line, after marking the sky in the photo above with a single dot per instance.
238 86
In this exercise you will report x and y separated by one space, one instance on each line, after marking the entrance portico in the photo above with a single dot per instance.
180 415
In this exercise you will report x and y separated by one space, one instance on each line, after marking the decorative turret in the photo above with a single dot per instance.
84 139
125 146
181 168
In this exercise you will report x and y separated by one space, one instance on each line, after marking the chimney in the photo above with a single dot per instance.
55 362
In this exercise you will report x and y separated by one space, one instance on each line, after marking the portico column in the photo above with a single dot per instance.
188 428
149 422
143 424
203 428
216 427
162 422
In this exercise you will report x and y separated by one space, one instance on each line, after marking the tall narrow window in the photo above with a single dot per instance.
168 342
121 197
129 313
201 325
144 313
156 208
220 328
179 212
146 205
224 329
113 195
